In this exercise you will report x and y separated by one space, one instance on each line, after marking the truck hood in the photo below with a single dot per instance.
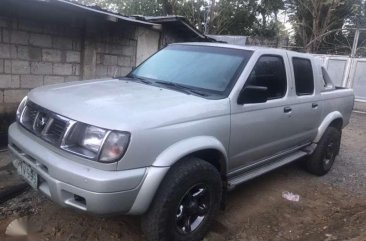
124 105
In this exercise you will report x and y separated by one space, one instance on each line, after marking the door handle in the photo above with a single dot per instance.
287 109
314 105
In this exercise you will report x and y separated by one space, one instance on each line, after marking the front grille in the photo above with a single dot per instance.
57 129
44 123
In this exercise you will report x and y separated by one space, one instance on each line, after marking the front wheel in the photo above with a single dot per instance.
322 159
185 204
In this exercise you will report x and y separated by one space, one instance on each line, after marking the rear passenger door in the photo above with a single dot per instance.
305 98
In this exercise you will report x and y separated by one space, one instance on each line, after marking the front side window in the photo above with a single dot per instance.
212 69
270 72
304 77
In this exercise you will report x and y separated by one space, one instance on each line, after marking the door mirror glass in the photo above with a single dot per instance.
253 94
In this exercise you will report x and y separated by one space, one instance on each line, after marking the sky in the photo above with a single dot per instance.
283 17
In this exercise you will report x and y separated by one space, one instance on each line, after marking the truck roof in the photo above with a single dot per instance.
251 48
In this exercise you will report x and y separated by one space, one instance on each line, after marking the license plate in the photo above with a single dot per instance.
28 173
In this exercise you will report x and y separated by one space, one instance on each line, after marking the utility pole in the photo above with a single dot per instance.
205 30
209 15
212 11
352 60
355 43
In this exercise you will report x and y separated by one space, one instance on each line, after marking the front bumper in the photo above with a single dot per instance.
72 184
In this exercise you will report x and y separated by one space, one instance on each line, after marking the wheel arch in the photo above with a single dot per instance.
334 119
206 148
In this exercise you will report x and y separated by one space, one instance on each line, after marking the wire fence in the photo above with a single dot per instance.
346 42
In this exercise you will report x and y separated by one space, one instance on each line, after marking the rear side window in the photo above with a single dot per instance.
304 78
269 71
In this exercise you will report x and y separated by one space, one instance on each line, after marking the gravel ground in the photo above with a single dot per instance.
332 207
349 171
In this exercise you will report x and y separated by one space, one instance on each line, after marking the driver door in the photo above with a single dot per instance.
261 130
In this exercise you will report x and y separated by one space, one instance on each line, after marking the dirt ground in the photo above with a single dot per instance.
332 207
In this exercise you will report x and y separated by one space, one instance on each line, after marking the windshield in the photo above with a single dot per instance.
212 69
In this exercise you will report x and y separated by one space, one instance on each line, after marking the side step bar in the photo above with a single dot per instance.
250 174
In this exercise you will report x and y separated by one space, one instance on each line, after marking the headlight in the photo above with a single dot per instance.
96 143
114 146
21 107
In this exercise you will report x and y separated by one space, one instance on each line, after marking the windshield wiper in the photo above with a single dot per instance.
182 88
197 92
136 78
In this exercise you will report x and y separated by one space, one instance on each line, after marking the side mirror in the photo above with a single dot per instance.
253 94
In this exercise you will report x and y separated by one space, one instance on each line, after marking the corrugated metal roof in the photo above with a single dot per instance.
105 12
181 20
177 23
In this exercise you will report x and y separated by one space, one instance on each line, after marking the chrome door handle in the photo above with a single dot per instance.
314 105
287 109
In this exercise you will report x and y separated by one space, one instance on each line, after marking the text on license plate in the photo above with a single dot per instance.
28 173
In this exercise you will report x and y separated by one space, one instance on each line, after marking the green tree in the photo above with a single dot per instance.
245 17
316 22
234 17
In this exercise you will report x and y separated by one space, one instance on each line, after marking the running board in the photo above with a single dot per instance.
250 174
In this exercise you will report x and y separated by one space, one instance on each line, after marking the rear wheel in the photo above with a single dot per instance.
322 159
185 204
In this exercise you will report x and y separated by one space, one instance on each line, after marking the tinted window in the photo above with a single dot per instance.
209 68
270 72
304 78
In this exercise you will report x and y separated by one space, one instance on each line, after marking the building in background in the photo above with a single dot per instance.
56 41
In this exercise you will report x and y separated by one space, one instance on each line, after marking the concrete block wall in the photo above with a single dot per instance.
116 54
40 53
34 54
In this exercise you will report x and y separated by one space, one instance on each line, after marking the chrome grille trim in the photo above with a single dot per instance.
42 123
69 127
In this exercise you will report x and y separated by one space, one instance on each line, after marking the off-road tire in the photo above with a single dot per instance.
320 162
160 223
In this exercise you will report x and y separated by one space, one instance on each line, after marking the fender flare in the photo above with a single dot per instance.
326 122
162 164
185 147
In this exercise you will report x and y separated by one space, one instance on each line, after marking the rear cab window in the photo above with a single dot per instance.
304 76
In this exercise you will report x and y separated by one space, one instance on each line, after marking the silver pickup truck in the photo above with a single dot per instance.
169 139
